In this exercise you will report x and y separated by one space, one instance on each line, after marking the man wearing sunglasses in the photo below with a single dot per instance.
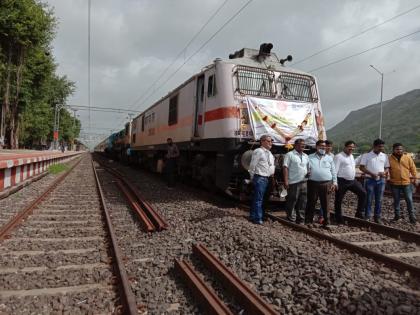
346 172
261 168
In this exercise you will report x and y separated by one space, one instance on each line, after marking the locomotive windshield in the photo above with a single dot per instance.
256 82
297 87
287 86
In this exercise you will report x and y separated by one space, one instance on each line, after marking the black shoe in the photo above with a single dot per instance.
396 218
326 227
360 215
377 220
339 221
413 220
299 221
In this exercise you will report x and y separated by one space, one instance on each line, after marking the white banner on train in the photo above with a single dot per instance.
283 121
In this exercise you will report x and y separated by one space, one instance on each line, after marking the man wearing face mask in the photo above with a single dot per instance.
322 182
260 169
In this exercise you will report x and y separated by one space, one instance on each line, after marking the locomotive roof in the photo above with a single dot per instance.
243 57
249 57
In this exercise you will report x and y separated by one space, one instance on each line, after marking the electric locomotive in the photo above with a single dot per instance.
218 114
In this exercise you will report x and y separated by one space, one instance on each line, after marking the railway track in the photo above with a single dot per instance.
398 249
248 300
151 219
59 254
289 270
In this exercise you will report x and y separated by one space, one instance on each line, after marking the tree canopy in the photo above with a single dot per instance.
30 88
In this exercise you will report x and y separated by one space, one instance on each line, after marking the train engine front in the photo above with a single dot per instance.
217 116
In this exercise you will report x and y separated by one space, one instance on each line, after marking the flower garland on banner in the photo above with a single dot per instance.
273 125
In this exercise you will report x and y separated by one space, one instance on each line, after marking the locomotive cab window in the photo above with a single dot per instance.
297 87
255 81
173 110
211 86
142 123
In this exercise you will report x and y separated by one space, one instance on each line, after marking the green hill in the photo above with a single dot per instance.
401 123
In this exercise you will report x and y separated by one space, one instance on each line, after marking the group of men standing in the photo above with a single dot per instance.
320 174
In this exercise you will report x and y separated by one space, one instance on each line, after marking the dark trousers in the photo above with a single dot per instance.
407 190
296 200
170 169
355 187
317 190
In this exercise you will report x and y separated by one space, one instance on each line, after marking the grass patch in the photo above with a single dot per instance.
58 168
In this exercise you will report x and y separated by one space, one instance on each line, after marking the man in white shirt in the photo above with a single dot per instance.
295 172
261 168
329 148
345 166
375 166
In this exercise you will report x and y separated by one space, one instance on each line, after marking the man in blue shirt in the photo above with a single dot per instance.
322 181
295 171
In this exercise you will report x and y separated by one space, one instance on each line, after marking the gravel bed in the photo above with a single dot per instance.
411 260
399 247
66 254
92 302
350 205
52 260
298 274
152 278
365 237
55 278
62 232
14 203
34 244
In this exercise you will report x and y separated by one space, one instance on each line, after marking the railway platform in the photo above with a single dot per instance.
19 167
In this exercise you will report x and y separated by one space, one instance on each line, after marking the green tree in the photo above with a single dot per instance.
29 87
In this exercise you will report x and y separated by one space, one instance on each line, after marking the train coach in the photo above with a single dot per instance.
216 116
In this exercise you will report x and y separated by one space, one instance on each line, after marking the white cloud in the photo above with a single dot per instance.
133 41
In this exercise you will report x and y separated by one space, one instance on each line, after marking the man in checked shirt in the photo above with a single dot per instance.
260 170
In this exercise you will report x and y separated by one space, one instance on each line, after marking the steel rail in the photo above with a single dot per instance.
148 225
154 216
128 300
252 302
386 260
17 220
390 231
207 297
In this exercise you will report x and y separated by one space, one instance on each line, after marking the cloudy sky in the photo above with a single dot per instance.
133 41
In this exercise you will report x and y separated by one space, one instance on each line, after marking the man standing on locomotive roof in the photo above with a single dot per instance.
261 169
295 172
375 165
171 162
401 167
345 166
322 181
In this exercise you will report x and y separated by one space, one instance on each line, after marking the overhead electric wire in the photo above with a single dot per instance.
140 98
181 52
364 51
356 35
202 46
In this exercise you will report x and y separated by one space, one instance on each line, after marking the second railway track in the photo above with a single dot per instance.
62 259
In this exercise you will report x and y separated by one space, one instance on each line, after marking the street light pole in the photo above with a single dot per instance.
56 124
382 90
